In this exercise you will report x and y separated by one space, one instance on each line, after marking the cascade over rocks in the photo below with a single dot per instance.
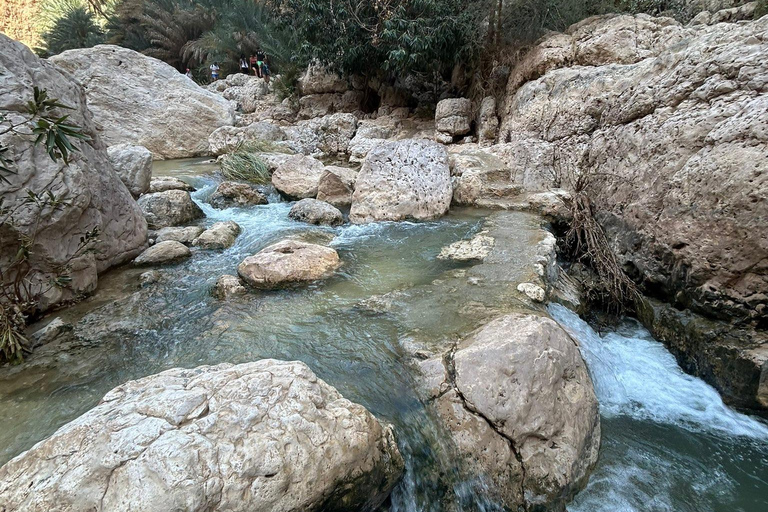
140 100
408 179
288 262
94 194
267 436
134 166
519 404
670 121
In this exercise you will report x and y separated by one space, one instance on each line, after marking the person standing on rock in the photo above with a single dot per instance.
261 59
243 64
254 66
189 74
215 71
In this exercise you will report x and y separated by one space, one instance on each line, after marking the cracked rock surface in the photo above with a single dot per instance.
519 404
266 436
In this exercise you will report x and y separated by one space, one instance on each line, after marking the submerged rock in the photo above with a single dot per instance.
229 194
221 235
169 208
316 212
91 194
475 249
163 253
298 176
519 404
288 262
141 100
134 166
227 287
408 179
266 436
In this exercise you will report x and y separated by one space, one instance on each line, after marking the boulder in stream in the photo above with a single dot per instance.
288 262
169 208
266 436
163 253
221 235
337 185
316 212
519 404
185 235
166 183
134 166
231 194
227 287
298 176
408 179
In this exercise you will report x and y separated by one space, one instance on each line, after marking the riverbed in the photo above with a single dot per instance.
668 441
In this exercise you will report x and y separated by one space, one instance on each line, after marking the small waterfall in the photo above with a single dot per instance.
669 441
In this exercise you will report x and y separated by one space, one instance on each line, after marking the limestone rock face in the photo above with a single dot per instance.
488 121
337 185
169 208
163 253
298 176
134 166
681 126
230 193
519 403
221 235
228 138
288 262
267 436
323 134
317 80
140 100
408 179
452 116
316 212
95 195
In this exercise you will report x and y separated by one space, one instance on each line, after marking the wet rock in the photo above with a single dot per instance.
91 193
232 194
519 404
140 100
316 212
134 166
408 179
163 253
150 277
165 183
475 249
227 287
533 291
288 262
452 116
55 329
298 177
221 235
185 235
169 208
292 442
336 186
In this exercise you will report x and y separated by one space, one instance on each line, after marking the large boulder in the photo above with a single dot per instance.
408 179
134 166
288 262
140 100
298 176
316 212
673 147
163 253
92 194
336 185
328 134
266 436
519 404
231 194
169 208
453 116
317 80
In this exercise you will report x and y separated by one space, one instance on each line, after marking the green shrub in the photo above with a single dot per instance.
762 9
77 28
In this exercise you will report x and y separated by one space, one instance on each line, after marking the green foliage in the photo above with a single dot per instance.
244 164
19 292
524 21
762 9
76 28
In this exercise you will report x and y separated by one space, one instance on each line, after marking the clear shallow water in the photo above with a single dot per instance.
661 451
669 443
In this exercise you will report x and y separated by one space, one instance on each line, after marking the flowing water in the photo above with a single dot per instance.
665 447
669 443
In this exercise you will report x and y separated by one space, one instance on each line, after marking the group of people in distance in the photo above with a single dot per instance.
256 63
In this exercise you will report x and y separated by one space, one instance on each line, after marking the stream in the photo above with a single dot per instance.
669 443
